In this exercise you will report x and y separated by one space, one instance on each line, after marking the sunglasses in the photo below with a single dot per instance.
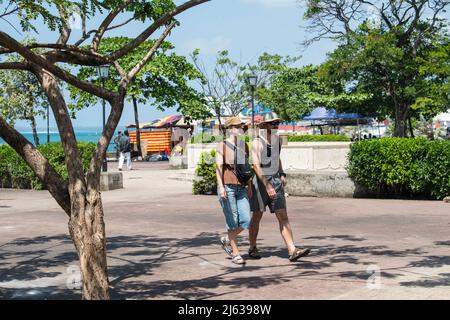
276 123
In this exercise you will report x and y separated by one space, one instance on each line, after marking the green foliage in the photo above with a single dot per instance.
206 170
31 13
396 78
164 80
226 86
14 172
402 167
21 95
295 92
435 70
318 138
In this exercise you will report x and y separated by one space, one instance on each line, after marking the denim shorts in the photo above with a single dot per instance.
260 199
236 207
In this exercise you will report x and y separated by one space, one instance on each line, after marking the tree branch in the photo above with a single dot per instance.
104 25
132 74
66 132
65 28
155 26
14 66
55 184
93 176
7 41
7 13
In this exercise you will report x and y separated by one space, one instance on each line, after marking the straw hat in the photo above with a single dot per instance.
233 121
271 117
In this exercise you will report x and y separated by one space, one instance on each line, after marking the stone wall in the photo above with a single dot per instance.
313 168
315 156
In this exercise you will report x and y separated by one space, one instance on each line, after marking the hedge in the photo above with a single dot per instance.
415 168
15 173
318 138
207 137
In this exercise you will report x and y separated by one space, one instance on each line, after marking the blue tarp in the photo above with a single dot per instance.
322 113
349 116
260 110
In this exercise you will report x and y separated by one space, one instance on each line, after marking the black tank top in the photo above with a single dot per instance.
267 155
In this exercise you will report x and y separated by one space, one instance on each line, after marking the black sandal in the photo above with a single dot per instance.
298 253
254 253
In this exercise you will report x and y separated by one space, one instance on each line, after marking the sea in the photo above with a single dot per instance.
82 135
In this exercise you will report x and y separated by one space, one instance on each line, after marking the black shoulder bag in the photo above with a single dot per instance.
243 171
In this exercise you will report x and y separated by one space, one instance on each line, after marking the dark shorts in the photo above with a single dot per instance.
260 199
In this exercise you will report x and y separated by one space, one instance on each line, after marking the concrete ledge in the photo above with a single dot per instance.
183 175
111 181
320 184
178 162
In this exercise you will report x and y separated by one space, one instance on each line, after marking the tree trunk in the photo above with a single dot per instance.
86 225
87 229
83 206
411 130
136 121
401 118
34 129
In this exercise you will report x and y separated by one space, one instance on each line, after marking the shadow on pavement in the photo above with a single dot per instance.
34 268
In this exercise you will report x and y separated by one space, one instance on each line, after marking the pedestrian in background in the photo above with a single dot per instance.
125 150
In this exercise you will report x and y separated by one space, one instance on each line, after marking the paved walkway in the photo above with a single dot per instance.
163 244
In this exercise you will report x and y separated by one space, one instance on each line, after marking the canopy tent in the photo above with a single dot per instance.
167 121
260 110
156 136
322 113
159 123
143 125
183 123
443 117
329 117
258 119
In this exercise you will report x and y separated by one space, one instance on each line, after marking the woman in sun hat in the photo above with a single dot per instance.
233 194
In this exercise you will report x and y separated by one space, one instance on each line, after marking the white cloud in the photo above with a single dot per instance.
209 46
274 3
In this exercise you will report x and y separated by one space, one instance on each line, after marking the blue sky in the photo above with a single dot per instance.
246 28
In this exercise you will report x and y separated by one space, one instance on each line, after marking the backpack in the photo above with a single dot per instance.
243 171
124 144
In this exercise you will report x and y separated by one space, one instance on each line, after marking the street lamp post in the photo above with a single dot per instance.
48 124
252 81
103 73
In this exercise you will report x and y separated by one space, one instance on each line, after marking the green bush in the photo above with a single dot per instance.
15 173
401 167
206 170
318 138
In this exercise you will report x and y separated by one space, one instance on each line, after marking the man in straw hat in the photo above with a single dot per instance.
268 187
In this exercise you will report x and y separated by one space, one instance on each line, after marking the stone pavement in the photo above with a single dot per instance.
163 244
